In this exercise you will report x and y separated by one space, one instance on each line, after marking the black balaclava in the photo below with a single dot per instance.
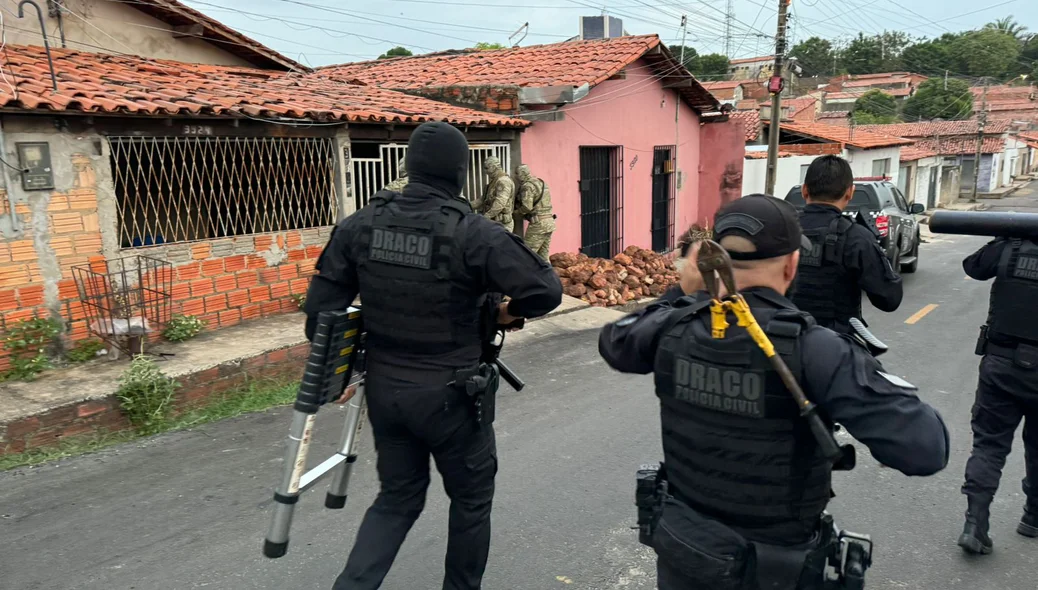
438 157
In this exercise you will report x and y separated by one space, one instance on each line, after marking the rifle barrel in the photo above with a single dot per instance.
509 377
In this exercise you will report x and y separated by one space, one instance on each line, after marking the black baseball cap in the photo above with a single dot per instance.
771 225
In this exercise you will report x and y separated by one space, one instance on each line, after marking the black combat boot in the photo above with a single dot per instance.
1028 526
974 538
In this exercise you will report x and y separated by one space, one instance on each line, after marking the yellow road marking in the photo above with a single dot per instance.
921 313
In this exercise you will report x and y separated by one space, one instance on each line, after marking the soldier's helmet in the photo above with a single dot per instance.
491 165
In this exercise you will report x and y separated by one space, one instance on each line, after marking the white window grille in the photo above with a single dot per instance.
184 189
371 174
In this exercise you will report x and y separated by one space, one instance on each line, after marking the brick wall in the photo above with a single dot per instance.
813 149
61 230
228 281
91 416
224 281
496 99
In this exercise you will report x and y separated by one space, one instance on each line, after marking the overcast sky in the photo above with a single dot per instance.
320 32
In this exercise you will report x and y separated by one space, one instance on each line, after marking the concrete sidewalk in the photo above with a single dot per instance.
75 401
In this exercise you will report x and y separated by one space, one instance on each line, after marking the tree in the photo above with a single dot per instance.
1010 27
875 107
691 57
396 52
712 66
876 53
815 56
485 46
933 57
932 101
988 52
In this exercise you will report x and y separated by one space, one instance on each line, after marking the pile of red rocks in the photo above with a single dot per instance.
634 274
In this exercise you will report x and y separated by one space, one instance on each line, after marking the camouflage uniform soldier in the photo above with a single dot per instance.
534 204
498 200
401 179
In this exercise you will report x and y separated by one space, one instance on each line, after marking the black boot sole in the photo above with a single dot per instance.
1027 530
973 545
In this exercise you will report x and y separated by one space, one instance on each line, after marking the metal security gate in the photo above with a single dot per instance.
369 175
931 194
662 198
601 201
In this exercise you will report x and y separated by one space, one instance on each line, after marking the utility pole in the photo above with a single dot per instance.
677 106
775 85
945 79
728 18
982 119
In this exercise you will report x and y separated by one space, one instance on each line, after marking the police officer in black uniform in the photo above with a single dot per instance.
422 263
742 466
845 258
1007 391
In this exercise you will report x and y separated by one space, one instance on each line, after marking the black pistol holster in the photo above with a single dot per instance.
479 385
649 492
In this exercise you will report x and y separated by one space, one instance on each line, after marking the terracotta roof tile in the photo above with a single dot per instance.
896 92
558 64
1016 105
747 104
891 79
935 128
911 153
1028 136
962 145
844 135
752 121
795 105
165 88
834 115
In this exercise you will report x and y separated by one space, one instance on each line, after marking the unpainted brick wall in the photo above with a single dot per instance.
224 282
97 415
69 220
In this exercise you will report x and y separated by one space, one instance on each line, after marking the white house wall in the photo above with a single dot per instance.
861 161
787 175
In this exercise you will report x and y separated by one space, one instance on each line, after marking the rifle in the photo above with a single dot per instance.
988 223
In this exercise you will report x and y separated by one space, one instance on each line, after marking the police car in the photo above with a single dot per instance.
885 208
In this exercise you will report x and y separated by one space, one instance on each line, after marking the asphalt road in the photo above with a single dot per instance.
189 510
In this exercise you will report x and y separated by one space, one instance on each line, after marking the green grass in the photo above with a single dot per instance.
255 396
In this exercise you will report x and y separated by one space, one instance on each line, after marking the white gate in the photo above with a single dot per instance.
369 175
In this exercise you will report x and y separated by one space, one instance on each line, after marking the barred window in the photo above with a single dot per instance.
185 189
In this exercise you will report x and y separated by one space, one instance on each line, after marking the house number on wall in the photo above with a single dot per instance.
633 162
198 130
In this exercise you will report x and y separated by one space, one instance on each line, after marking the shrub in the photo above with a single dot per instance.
182 327
27 341
146 395
85 351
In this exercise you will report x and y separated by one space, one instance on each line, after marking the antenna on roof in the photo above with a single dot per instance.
43 30
525 29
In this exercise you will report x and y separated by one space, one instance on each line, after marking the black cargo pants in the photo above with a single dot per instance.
1006 395
409 424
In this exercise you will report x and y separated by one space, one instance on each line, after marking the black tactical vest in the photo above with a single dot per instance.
734 444
1011 313
823 287
404 265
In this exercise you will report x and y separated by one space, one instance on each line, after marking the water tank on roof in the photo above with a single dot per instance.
600 27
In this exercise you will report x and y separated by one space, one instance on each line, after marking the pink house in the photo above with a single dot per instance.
633 147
